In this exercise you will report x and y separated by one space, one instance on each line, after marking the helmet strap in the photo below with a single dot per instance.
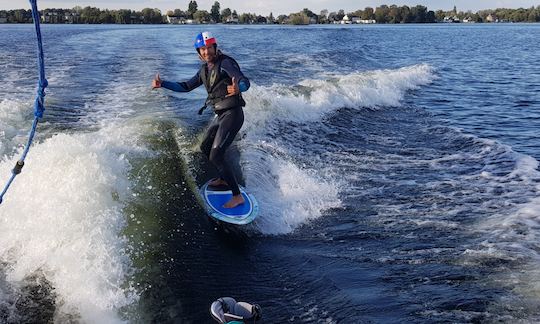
200 56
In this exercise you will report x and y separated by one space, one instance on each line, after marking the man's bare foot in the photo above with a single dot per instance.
235 201
218 182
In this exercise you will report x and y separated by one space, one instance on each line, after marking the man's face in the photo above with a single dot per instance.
208 53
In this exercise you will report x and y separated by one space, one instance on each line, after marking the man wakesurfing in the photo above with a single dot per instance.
224 82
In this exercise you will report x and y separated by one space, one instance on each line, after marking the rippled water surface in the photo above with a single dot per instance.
396 169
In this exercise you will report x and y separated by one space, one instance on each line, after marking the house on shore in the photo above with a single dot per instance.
491 18
365 21
71 18
232 20
355 20
135 20
52 18
449 19
176 20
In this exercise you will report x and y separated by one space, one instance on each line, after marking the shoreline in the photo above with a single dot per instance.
299 25
194 15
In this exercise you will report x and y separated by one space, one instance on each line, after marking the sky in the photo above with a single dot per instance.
277 7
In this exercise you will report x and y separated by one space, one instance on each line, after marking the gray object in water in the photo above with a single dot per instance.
228 310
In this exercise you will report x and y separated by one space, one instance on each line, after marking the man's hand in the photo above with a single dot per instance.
233 89
156 83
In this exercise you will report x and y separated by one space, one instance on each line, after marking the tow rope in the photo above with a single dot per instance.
39 106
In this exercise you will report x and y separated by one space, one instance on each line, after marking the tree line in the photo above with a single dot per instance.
383 14
87 15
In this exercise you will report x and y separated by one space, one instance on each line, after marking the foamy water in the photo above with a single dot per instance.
393 185
13 117
63 218
291 194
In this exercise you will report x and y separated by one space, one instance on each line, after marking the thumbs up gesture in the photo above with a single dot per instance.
156 83
233 89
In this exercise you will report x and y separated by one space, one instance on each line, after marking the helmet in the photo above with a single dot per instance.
204 39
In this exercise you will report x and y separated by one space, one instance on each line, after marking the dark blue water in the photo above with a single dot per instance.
396 168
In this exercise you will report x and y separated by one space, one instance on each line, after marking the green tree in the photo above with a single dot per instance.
147 15
476 17
180 13
225 14
439 15
158 17
406 15
394 15
308 12
151 16
419 13
192 8
136 17
430 17
106 17
214 12
123 16
381 13
244 18
202 16
340 15
332 17
534 15
323 16
90 15
247 18
521 15
270 18
299 19
19 15
368 13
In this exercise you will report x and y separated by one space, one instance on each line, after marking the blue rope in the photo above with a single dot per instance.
39 106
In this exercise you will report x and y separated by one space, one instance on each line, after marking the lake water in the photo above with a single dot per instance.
396 169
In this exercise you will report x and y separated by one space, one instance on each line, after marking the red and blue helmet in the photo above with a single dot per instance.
204 39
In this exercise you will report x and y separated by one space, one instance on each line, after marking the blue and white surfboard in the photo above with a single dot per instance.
215 197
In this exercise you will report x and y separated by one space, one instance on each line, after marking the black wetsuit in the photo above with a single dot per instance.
229 114
217 139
